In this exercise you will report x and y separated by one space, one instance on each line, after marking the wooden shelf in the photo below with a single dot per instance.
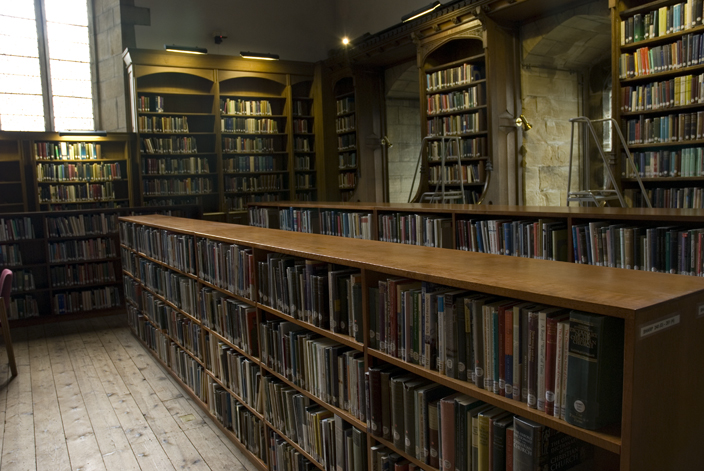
173 175
667 38
665 74
462 86
668 110
667 144
469 110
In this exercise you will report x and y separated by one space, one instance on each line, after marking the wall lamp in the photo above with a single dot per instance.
522 122
419 12
263 56
83 133
185 49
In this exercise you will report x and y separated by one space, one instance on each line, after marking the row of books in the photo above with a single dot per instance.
245 107
306 194
168 166
347 160
284 457
452 150
674 198
254 163
346 224
169 145
97 298
234 320
184 330
664 249
661 21
261 183
247 144
83 274
227 266
22 280
302 144
415 229
238 373
679 127
158 200
687 162
344 124
82 250
454 76
162 123
78 172
468 173
150 104
248 429
347 180
249 125
513 346
679 91
184 186
457 101
176 250
544 239
345 105
300 108
346 141
23 307
323 295
179 290
263 217
67 150
328 370
301 126
16 229
82 225
319 432
455 125
305 181
448 430
239 203
685 52
303 162
77 192
299 220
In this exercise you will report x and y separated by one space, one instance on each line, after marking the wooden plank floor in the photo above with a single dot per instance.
89 396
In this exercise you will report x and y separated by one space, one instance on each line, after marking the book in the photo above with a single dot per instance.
537 447
552 317
595 363
485 421
447 431
397 410
433 434
499 446
509 448
410 418
464 405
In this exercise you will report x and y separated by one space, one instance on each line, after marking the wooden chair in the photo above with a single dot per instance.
5 288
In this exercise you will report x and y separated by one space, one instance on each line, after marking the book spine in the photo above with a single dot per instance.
550 359
542 338
532 359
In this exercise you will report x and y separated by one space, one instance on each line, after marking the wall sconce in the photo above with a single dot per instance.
419 12
263 56
83 133
185 49
523 123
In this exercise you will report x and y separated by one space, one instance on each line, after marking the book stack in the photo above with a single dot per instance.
82 225
264 217
453 76
661 21
81 250
16 229
247 144
67 151
284 457
415 229
347 160
99 298
175 250
346 224
456 101
76 193
23 307
186 186
83 274
169 166
78 172
162 124
299 220
226 266
22 280
259 183
169 145
467 148
249 125
454 174
457 125
178 289
150 104
234 320
245 107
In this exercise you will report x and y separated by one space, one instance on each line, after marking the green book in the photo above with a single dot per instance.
595 370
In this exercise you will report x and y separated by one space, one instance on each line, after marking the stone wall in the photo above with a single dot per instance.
550 98
402 118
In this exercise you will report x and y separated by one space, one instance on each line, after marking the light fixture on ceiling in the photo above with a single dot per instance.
185 49
420 12
345 41
83 133
263 56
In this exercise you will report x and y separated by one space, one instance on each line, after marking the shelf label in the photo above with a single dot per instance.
657 326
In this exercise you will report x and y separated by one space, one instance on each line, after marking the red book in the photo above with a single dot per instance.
550 357
509 449
447 431
401 465
394 302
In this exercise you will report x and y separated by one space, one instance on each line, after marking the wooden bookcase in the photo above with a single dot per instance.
13 191
303 139
49 261
668 156
347 144
639 299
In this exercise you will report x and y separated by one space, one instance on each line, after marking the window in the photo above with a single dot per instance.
45 66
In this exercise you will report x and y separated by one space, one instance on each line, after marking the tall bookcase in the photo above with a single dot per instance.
660 102
175 124
253 123
13 193
660 317
347 145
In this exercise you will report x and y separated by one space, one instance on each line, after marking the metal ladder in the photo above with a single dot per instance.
441 196
600 197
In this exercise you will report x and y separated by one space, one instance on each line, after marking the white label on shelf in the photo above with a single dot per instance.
657 326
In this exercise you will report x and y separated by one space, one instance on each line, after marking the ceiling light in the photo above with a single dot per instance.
420 12
185 49
260 56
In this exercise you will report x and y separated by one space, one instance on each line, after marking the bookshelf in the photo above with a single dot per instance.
174 113
303 142
81 172
347 144
636 300
455 93
660 104
13 194
66 264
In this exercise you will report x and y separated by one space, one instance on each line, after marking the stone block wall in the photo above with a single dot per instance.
549 98
402 125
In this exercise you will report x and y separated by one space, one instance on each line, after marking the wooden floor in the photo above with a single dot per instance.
89 396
